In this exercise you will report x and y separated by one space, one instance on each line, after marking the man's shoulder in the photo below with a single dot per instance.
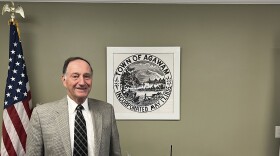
99 103
50 105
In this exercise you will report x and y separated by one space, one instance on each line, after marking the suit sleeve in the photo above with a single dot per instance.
34 144
115 149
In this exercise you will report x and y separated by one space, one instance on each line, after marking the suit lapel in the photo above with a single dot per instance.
62 123
97 122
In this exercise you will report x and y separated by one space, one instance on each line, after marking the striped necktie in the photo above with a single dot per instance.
80 134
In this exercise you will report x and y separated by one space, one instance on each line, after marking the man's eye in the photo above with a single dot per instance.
75 76
87 76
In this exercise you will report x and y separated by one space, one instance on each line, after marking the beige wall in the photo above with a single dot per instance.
230 69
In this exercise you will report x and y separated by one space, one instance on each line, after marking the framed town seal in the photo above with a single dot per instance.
143 82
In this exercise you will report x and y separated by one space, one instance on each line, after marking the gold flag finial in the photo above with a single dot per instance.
12 9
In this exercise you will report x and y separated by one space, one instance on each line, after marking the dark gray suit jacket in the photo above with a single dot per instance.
48 132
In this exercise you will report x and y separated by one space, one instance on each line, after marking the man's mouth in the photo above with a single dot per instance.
81 88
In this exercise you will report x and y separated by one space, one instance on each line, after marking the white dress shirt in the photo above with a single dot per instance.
89 124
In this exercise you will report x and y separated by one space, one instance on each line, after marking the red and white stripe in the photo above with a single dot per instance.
14 127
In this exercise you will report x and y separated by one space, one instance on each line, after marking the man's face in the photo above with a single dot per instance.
78 80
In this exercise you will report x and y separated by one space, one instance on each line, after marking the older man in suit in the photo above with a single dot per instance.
53 126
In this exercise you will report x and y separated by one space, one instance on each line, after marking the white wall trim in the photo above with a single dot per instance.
162 1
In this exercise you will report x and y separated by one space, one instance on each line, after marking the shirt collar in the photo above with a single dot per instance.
72 104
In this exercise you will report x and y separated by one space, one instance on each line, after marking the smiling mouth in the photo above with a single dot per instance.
82 89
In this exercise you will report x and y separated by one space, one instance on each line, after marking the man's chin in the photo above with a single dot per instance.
82 96
82 93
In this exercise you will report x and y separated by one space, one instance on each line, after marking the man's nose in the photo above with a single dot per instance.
81 81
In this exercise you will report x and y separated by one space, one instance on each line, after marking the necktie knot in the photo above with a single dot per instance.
79 108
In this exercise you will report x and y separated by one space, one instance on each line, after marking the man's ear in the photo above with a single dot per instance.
63 79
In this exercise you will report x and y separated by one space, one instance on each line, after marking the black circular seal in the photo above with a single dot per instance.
142 83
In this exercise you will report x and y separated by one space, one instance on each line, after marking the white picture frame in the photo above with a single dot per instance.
143 83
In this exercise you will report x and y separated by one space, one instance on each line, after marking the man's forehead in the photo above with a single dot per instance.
78 71
78 64
78 67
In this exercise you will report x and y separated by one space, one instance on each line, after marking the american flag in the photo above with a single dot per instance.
17 101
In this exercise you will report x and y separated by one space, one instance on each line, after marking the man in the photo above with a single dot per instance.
53 126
